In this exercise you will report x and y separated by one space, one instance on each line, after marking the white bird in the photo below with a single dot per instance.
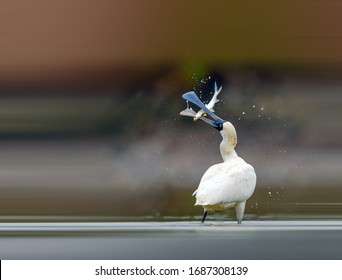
227 184
189 112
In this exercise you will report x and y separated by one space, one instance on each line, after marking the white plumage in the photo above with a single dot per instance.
227 184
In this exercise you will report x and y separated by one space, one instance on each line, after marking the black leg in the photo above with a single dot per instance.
204 216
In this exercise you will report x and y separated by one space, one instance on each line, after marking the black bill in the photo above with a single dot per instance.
216 122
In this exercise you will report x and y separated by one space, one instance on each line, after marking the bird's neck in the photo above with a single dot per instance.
228 156
227 151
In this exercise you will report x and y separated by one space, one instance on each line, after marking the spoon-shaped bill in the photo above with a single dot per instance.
193 98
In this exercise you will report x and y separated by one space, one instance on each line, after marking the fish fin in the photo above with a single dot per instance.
216 89
188 112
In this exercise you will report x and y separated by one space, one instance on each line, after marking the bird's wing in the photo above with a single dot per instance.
223 183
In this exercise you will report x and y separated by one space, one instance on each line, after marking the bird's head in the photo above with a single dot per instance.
228 134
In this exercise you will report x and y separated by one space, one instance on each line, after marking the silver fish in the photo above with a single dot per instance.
210 105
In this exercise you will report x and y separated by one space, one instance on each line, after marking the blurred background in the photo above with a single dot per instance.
90 95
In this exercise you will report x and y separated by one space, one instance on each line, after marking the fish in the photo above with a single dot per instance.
210 105
189 112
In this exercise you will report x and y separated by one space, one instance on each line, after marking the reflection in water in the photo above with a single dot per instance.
172 240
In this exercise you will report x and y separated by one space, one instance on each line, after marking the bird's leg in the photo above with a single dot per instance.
204 215
240 209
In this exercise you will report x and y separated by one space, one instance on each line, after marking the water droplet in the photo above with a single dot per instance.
243 113
262 109
253 106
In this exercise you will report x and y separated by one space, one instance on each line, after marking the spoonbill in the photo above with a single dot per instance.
227 184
